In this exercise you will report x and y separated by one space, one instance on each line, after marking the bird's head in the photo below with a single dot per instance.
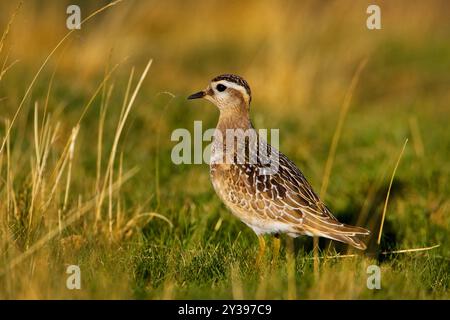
226 91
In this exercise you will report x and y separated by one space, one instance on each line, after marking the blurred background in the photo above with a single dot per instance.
299 58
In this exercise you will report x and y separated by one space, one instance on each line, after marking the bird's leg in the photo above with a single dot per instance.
276 248
262 248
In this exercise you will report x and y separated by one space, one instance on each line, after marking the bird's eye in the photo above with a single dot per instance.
220 87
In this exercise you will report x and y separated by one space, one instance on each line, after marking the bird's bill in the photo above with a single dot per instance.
197 95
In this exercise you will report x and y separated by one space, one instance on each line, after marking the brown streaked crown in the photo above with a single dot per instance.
235 79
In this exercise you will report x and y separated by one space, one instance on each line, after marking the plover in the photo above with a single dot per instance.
281 201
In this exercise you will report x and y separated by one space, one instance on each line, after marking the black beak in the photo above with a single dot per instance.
197 95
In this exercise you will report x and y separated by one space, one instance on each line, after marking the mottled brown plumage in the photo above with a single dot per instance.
276 202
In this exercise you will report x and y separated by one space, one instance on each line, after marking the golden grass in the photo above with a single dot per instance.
69 188
45 193
46 60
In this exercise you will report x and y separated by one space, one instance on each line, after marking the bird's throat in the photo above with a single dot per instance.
234 118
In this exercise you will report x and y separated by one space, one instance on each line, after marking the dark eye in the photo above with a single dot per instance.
220 87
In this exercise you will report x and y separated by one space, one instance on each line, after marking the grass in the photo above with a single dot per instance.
86 176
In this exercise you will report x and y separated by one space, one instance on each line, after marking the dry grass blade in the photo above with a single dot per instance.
73 139
8 26
337 134
74 215
334 143
411 250
47 59
97 91
149 215
124 115
6 68
339 256
389 192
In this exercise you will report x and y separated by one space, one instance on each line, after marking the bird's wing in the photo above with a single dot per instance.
289 197
285 196
284 192
299 190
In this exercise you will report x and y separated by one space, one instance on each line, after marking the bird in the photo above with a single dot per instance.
270 202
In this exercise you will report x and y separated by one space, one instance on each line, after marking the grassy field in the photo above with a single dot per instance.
86 176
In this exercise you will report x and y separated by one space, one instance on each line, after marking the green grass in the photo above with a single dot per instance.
298 81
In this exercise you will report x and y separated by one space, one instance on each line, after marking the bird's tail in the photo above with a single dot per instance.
340 232
353 240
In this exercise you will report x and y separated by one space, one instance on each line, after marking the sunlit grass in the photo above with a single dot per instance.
86 176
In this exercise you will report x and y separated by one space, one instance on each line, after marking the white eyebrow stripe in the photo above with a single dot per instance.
232 85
